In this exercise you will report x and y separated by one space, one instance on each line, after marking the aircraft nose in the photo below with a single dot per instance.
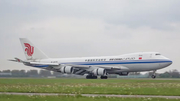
169 62
166 63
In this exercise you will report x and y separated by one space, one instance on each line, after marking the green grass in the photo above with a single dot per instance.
74 98
97 86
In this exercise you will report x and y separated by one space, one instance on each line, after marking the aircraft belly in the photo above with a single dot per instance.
136 67
143 67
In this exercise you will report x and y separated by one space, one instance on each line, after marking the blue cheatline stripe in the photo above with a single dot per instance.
124 63
118 62
111 62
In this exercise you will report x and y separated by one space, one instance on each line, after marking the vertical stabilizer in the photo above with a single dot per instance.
31 52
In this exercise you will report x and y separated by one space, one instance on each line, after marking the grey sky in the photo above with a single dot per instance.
79 28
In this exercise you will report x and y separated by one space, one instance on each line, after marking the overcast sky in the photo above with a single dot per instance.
81 28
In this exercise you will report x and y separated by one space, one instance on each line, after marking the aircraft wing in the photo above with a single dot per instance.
77 69
39 63
33 63
47 66
105 67
85 69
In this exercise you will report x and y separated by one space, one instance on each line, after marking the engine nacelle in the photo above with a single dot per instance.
67 69
99 71
123 73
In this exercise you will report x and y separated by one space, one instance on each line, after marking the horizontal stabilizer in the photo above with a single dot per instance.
16 60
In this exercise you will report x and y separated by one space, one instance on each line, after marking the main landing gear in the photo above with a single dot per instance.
104 77
95 77
91 77
154 74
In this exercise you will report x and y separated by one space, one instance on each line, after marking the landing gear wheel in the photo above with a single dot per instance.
91 77
153 76
104 77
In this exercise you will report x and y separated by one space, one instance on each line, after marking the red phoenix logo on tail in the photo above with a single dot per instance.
29 49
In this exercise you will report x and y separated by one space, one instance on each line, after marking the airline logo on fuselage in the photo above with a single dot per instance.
29 49
111 59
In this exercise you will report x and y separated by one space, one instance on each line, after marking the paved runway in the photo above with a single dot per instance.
94 95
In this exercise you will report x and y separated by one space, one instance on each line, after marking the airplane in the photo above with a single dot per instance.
93 67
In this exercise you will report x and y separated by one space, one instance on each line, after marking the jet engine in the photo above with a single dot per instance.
67 69
99 71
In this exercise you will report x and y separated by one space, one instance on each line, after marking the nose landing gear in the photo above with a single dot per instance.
154 74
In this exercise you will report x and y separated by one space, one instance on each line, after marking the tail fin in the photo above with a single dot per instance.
31 52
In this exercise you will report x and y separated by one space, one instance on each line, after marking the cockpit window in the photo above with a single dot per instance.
158 54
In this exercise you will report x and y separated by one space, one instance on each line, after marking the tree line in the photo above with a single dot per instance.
28 73
168 74
45 73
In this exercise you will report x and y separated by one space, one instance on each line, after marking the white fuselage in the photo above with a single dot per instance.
135 62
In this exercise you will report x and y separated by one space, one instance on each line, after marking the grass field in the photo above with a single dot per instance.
75 98
97 86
